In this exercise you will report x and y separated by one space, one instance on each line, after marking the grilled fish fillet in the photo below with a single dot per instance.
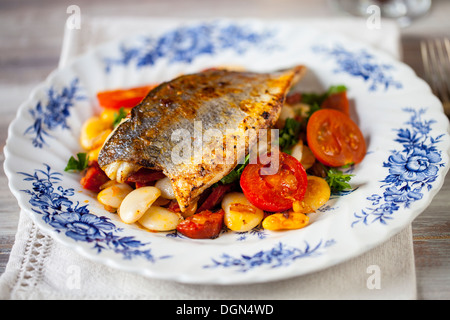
219 101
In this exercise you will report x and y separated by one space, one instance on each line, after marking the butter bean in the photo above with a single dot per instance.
285 221
165 186
112 196
160 219
240 214
137 202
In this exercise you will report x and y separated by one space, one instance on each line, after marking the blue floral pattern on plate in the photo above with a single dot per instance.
411 170
361 64
56 208
184 44
256 233
54 114
280 255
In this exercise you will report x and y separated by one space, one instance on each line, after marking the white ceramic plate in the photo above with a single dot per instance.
405 128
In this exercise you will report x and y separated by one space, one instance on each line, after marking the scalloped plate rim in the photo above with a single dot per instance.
181 277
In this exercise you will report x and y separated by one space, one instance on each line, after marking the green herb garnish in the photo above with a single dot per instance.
336 89
337 180
236 173
77 165
312 108
119 116
315 100
289 135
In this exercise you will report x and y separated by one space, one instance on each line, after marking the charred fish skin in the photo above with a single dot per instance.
231 102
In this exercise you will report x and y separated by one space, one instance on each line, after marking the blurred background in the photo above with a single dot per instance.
31 34
31 31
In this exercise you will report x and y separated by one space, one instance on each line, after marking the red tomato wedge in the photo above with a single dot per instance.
202 225
337 101
334 139
126 98
276 192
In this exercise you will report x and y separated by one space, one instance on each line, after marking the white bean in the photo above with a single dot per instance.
137 202
240 214
160 219
301 109
165 186
303 154
297 151
113 195
286 112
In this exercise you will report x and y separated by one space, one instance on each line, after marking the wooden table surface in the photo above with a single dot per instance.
31 34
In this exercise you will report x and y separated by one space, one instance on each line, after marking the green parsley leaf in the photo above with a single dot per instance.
336 89
337 180
119 116
315 100
77 165
236 173
313 108
288 136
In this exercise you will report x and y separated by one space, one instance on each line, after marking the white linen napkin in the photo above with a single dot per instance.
41 268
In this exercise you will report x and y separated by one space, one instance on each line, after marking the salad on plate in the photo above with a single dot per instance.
289 152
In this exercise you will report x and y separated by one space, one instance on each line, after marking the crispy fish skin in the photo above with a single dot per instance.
228 101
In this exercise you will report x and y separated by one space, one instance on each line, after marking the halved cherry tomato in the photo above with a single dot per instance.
278 191
202 225
334 138
337 101
94 177
127 98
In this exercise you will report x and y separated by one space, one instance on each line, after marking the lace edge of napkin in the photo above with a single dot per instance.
27 260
